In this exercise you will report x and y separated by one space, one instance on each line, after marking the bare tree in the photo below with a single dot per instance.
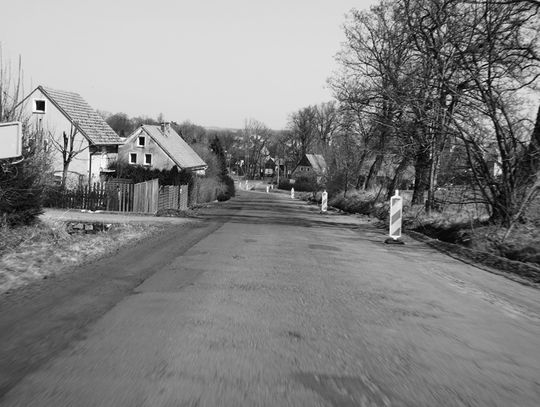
21 180
11 90
255 140
326 120
69 147
499 59
303 130
370 84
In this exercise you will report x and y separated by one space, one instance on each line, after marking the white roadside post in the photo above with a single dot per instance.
267 189
324 202
246 185
292 193
396 214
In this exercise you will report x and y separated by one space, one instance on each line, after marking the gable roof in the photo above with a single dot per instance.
174 146
315 161
86 119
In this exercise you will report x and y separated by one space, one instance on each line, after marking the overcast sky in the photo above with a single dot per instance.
213 62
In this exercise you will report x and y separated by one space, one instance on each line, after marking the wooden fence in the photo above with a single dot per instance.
88 197
173 197
121 195
145 196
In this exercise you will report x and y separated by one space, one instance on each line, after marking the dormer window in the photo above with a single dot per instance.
39 106
141 141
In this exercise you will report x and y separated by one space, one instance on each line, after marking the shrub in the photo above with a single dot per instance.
223 196
52 196
357 201
207 189
139 173
229 183
301 184
21 188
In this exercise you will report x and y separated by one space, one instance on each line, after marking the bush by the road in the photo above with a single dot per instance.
223 196
21 188
301 184
209 189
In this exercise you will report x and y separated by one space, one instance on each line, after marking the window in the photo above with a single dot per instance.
39 106
148 159
133 158
141 141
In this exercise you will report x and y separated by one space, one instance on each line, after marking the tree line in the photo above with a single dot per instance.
443 90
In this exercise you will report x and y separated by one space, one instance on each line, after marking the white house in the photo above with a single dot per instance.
160 147
64 122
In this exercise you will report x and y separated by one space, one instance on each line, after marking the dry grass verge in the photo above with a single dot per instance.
466 225
35 252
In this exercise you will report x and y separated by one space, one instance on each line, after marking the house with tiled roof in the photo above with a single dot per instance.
310 165
64 121
160 147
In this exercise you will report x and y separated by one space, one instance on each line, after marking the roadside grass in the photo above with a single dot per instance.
40 251
466 225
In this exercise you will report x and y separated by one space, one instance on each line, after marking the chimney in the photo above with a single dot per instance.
165 128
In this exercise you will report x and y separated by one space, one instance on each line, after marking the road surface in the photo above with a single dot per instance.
273 304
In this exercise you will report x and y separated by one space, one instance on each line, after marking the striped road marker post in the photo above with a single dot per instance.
396 214
324 202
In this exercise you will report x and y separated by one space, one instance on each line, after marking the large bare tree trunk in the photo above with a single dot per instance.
360 165
421 178
508 204
373 172
527 172
402 166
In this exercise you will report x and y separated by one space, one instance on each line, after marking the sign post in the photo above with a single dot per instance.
324 202
10 140
396 214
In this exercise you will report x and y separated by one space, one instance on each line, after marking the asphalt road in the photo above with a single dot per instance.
268 303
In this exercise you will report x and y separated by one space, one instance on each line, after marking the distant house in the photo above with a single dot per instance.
310 165
63 121
269 167
160 147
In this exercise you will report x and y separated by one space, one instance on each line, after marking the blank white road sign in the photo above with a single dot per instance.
10 140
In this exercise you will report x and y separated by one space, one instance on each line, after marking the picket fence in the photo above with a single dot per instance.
121 195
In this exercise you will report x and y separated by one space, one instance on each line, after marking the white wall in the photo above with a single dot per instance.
53 123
